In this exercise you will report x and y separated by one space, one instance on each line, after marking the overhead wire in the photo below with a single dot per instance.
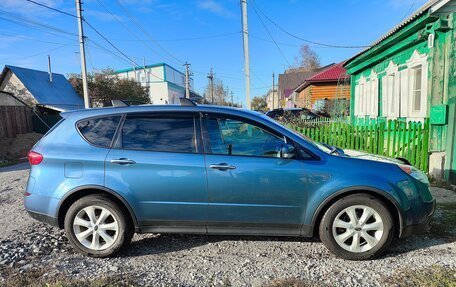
306 40
88 24
269 33
125 26
28 38
138 24
44 52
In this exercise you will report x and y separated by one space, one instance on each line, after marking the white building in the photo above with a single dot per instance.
166 84
272 99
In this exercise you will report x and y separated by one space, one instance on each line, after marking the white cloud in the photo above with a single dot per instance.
215 7
25 7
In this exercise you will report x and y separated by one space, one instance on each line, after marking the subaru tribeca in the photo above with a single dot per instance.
104 174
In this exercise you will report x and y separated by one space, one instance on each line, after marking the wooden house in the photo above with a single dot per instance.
409 74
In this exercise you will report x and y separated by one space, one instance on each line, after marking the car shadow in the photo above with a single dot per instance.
167 243
16 167
155 244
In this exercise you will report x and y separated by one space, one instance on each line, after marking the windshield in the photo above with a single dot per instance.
318 145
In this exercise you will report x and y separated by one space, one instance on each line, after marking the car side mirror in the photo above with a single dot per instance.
287 151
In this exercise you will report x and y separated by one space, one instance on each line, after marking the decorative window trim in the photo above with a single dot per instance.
417 61
372 96
391 92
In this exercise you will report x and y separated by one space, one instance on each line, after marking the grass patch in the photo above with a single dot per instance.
444 223
38 278
435 276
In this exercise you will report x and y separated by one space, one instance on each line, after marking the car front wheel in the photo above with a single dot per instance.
357 227
96 226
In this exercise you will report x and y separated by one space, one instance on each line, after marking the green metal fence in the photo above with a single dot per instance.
43 123
392 138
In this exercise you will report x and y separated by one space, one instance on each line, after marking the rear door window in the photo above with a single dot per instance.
159 133
99 131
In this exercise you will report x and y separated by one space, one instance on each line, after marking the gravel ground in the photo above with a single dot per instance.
184 260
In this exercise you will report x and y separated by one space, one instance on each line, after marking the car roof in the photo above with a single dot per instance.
158 108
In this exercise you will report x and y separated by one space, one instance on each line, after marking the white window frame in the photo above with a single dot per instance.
415 62
391 92
372 104
360 97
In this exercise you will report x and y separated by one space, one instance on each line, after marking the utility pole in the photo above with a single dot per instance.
187 81
245 34
273 93
85 87
211 82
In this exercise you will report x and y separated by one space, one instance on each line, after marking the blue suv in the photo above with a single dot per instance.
104 174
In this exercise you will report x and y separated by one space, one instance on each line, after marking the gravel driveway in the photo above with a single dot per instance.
183 260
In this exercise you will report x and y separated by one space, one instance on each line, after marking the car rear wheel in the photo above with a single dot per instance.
97 226
357 227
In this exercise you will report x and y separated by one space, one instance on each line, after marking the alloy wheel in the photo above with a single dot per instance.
358 228
95 227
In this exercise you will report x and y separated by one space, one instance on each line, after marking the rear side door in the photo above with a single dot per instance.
252 190
158 165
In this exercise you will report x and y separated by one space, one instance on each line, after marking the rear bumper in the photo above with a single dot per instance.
44 218
424 225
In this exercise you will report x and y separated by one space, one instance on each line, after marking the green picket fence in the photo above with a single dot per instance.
392 138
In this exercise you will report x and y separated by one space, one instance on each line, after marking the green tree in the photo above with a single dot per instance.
259 104
106 86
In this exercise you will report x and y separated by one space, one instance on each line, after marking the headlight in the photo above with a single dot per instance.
414 172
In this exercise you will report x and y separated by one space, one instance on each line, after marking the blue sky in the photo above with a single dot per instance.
206 33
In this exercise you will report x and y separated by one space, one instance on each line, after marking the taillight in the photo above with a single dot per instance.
34 158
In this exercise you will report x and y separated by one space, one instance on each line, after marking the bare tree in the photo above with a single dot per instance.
220 93
307 59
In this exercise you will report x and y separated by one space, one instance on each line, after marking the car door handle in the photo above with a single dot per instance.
123 161
222 166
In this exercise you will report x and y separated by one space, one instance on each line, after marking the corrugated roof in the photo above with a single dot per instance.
333 73
431 5
58 94
291 79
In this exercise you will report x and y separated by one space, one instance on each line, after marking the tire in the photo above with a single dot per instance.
360 239
102 234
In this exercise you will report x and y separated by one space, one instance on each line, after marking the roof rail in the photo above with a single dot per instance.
119 103
187 102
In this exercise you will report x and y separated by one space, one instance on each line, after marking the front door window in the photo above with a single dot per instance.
233 137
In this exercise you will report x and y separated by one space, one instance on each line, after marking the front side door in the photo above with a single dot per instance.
156 162
252 190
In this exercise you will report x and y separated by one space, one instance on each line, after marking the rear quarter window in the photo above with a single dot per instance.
99 131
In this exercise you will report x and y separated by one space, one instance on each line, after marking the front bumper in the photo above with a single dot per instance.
44 218
424 225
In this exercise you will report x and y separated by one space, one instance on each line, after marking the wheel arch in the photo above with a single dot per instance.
82 191
391 204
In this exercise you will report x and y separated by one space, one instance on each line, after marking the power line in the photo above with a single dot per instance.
51 8
28 38
128 29
269 33
409 10
88 24
181 39
306 40
137 23
31 23
44 52
109 42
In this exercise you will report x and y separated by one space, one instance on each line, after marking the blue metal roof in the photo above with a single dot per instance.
58 94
